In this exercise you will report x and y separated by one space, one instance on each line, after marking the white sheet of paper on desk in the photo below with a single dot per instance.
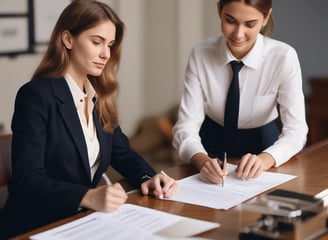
128 222
235 191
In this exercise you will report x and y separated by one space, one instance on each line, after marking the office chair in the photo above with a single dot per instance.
5 166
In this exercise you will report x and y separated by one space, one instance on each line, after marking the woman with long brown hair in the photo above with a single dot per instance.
65 127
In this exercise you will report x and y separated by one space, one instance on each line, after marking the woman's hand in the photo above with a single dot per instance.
160 185
105 198
210 170
251 165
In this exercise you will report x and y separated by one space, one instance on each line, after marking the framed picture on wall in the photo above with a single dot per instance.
14 27
26 25
45 15
14 35
14 7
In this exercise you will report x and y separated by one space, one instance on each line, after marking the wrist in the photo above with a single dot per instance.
267 160
145 177
87 199
199 159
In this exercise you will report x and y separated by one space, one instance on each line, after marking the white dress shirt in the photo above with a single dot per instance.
88 126
271 75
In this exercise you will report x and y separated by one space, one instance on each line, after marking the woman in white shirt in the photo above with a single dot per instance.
270 84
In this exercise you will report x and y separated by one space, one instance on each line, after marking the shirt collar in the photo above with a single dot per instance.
77 93
254 57
251 59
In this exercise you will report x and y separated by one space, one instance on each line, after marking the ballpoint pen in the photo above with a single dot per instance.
164 173
105 177
223 164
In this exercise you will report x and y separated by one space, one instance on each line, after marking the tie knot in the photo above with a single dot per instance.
236 66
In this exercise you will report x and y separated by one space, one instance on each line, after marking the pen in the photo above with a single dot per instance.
222 164
105 177
163 173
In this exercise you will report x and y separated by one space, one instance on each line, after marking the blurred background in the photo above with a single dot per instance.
159 38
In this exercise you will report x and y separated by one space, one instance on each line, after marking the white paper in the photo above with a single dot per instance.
235 191
128 222
46 14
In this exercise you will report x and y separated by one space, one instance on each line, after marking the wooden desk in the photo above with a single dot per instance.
310 165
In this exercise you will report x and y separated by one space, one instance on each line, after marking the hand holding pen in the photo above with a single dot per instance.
105 198
160 185
212 170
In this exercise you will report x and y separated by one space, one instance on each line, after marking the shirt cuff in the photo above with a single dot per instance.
280 153
186 152
145 177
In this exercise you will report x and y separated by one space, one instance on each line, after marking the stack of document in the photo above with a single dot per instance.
128 222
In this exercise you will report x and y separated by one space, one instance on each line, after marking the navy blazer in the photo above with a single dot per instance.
50 165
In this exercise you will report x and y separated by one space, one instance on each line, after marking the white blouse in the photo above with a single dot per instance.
88 126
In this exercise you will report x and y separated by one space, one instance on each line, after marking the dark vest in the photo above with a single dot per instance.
253 140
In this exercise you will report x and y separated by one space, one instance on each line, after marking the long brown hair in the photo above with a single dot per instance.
77 17
262 6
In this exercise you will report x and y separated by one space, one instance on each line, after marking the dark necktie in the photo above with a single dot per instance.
232 109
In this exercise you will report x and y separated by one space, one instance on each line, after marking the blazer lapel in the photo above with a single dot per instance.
104 147
70 117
